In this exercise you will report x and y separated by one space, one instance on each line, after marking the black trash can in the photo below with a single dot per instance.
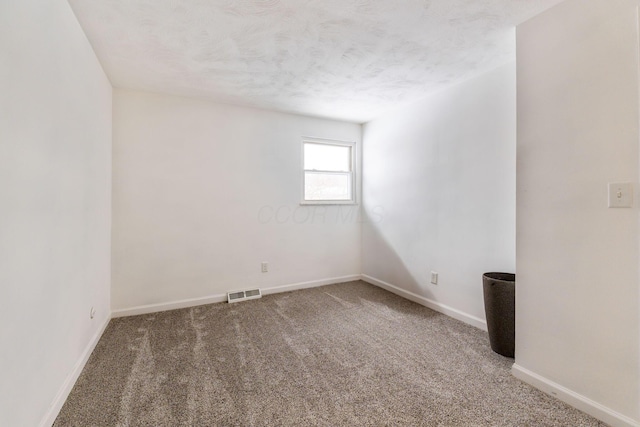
500 308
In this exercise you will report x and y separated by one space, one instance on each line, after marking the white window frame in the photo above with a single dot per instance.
353 177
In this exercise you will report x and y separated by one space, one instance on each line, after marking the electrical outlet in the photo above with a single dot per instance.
434 277
265 267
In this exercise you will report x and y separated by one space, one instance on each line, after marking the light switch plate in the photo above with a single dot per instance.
434 277
621 195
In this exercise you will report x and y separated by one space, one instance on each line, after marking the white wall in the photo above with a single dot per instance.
577 293
55 215
203 193
439 192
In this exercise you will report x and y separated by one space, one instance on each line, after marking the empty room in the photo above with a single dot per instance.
319 213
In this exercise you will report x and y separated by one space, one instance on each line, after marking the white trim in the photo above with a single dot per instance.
154 308
327 140
434 305
572 398
328 203
311 284
165 306
353 174
63 393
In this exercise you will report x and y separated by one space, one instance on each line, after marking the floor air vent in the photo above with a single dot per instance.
238 296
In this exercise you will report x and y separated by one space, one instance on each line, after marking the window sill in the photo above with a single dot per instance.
329 203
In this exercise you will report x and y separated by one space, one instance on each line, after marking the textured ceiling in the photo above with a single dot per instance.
343 59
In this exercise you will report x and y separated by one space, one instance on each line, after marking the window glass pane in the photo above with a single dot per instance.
327 157
327 186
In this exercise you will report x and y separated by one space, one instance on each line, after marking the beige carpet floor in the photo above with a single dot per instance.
339 355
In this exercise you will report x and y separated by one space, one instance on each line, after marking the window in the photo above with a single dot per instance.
328 172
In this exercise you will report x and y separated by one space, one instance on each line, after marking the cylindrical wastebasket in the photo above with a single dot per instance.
500 308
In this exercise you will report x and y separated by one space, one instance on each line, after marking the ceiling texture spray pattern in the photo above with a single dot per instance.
342 59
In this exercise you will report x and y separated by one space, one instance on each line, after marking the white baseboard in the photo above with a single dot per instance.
70 381
434 305
173 305
165 306
572 398
311 284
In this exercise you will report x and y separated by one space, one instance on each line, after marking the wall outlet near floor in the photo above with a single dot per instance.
434 277
265 267
92 313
